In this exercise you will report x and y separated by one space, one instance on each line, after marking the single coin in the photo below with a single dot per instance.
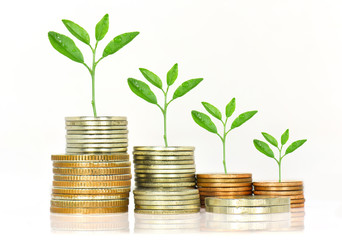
296 201
191 166
167 175
162 207
224 180
148 162
104 157
225 176
163 158
89 204
223 185
95 123
297 205
292 197
164 180
97 184
96 128
97 145
91 171
88 197
162 153
295 188
249 210
168 192
102 118
95 150
278 184
91 136
163 149
97 141
248 201
92 178
91 164
227 189
166 171
89 210
96 132
214 194
165 185
89 191
166 212
166 198
280 193
167 203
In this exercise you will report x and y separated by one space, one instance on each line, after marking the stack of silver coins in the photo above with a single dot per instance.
165 176
96 135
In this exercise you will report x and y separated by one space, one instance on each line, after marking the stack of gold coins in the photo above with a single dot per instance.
292 189
91 184
224 185
247 205
96 135
166 201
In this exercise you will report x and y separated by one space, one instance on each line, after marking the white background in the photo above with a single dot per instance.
280 57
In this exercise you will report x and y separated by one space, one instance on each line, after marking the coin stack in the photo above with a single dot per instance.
292 189
96 135
165 180
91 184
224 185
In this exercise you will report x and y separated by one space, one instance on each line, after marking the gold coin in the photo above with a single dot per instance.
91 164
104 157
246 201
213 194
280 193
95 150
164 180
88 197
225 176
166 171
166 212
167 203
162 207
162 153
278 184
92 178
164 158
165 185
168 192
223 185
249 210
297 205
91 171
166 198
223 180
172 175
137 166
89 210
148 162
296 201
295 188
97 184
230 189
102 118
163 149
96 123
89 191
97 145
97 141
89 204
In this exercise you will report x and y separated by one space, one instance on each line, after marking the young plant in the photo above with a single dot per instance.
265 149
142 90
205 122
68 48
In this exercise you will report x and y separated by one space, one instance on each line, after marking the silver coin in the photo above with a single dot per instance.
164 149
148 162
96 123
167 175
191 166
165 185
166 198
114 132
164 203
161 153
95 150
164 158
163 192
95 128
96 136
164 180
102 118
161 171
95 132
92 141
99 145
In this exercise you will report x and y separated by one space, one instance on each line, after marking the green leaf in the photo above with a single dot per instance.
101 28
118 42
212 110
142 90
263 148
242 118
65 46
270 139
172 74
230 108
204 121
285 137
186 87
76 30
152 78
294 146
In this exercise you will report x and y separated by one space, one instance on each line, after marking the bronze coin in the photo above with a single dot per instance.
236 189
292 197
223 185
89 210
297 205
93 184
224 180
102 157
278 184
296 201
279 193
91 164
225 176
242 193
294 188
91 191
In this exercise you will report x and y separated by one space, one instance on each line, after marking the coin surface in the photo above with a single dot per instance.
96 128
101 118
166 171
224 176
163 158
158 192
137 166
91 171
97 145
164 149
92 178
89 210
95 184
223 185
295 201
162 153
92 136
166 198
95 150
91 164
297 205
292 197
148 162
89 197
167 203
166 212
278 184
96 132
89 204
165 185
104 157
97 141
166 175
224 180
249 210
226 189
89 191
168 207
212 194
280 193
248 201
164 180
95 123
295 188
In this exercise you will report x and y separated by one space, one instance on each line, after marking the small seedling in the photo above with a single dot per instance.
143 90
265 149
68 48
205 122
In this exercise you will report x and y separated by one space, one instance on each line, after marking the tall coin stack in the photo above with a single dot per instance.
94 176
224 185
292 189
165 180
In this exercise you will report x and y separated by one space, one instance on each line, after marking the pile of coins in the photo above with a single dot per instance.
223 185
292 189
91 184
100 135
161 171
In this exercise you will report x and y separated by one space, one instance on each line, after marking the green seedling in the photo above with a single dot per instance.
205 122
143 90
265 149
68 48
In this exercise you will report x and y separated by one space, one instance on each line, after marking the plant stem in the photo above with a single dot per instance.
224 155
164 115
279 163
93 81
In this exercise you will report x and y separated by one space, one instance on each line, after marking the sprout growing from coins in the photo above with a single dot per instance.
265 149
68 48
143 90
205 122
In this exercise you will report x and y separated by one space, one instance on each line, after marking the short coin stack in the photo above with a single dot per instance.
91 184
96 135
224 185
161 172
292 189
